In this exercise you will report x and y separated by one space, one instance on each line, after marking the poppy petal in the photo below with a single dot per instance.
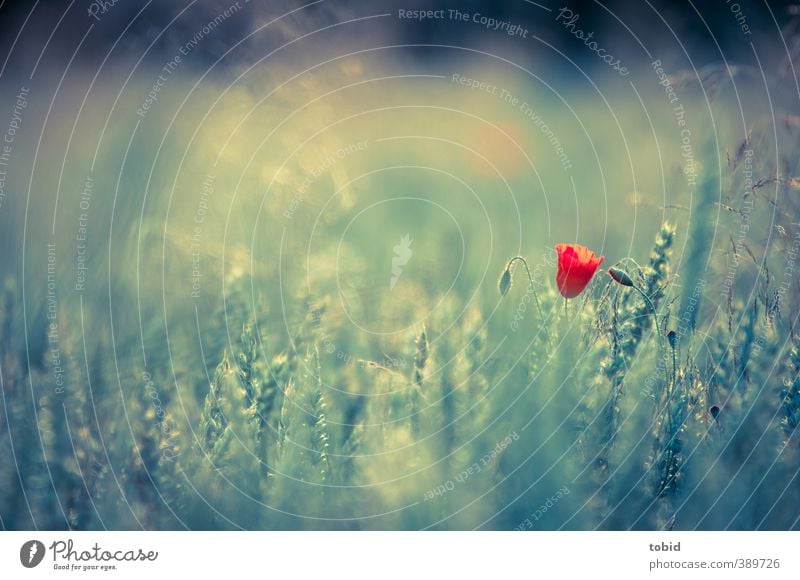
576 266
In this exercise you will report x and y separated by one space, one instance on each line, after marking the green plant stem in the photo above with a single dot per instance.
533 290
655 315
662 348
530 281
674 366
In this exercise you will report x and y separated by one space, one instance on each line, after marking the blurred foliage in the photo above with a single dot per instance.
282 329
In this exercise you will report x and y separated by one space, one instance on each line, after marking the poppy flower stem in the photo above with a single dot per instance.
670 380
622 278
674 367
532 286
652 307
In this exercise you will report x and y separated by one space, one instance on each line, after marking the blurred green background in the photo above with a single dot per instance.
255 345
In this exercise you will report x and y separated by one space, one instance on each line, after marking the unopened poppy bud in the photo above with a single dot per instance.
714 411
672 337
620 276
505 281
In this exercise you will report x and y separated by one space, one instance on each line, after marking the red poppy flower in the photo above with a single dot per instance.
576 266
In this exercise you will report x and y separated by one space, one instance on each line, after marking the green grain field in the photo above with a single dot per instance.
274 294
